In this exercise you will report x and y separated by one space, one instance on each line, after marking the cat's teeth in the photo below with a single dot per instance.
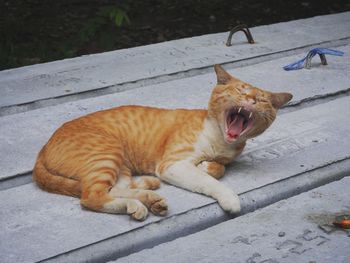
250 115
239 110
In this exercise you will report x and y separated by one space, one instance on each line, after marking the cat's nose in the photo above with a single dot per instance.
249 103
251 100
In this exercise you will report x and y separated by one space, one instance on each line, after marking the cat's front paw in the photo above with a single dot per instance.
230 203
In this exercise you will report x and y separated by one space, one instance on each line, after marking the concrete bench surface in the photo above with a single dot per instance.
23 134
32 218
298 229
307 146
93 72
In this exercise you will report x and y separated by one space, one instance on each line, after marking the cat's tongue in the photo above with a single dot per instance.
236 126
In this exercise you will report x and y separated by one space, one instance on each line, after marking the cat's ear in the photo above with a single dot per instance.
222 76
280 99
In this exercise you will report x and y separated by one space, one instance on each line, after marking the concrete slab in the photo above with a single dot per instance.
23 134
298 229
300 141
70 76
200 218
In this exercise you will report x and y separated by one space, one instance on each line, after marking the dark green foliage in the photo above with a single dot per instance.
35 31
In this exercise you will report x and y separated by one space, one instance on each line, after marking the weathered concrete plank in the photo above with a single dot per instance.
22 135
300 141
61 78
198 219
298 229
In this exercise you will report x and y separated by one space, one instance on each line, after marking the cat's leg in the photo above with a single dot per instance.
125 180
139 189
145 182
186 175
132 207
95 195
154 202
214 169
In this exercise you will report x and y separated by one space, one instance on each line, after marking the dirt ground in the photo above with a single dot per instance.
34 31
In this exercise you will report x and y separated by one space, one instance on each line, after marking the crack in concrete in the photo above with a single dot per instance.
315 100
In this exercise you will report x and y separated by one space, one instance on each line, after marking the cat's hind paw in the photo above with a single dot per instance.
155 203
137 210
159 207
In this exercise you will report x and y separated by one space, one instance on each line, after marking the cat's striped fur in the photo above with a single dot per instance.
95 156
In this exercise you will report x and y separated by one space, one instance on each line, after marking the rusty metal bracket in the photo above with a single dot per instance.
306 61
242 28
310 56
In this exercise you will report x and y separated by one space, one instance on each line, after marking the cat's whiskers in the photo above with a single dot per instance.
267 116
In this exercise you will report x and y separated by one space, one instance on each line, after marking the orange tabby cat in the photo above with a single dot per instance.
95 156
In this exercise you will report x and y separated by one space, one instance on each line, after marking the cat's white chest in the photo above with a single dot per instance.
211 146
213 151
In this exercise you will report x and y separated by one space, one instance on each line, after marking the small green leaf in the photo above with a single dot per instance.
119 19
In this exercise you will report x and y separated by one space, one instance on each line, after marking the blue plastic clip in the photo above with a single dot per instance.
306 62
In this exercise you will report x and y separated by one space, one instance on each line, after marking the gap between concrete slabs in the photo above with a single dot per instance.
93 72
32 128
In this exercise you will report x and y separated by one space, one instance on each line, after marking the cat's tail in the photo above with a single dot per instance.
54 183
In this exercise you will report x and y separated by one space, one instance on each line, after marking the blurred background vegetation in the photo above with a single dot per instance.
36 31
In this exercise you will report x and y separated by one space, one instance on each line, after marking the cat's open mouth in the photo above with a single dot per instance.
238 121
